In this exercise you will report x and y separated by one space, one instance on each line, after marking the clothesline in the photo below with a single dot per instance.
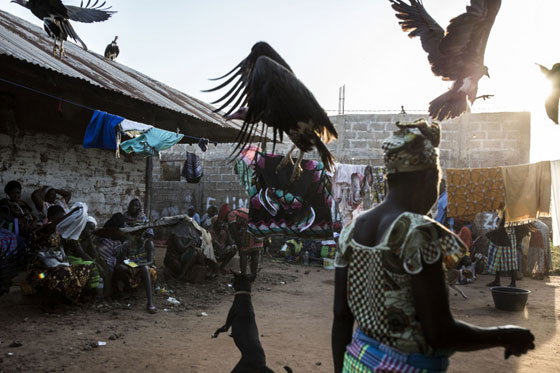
75 103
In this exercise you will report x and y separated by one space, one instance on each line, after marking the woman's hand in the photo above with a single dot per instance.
517 341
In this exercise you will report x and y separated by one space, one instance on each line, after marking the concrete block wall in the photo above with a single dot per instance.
472 140
94 176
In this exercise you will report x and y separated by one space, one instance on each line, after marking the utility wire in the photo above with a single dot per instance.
72 102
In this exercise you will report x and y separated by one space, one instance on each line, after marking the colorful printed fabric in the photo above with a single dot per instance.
527 192
67 281
379 185
413 147
474 190
503 258
245 174
299 209
365 355
380 285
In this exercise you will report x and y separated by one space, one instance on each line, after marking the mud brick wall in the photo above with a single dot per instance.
94 176
473 140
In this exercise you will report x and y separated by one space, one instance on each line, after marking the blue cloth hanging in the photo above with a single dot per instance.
100 132
151 142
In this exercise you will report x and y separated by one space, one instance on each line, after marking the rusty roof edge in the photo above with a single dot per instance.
209 116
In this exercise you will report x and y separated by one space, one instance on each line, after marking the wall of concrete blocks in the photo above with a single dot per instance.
94 176
470 141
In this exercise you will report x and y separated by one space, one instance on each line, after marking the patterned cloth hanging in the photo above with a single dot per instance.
474 190
298 209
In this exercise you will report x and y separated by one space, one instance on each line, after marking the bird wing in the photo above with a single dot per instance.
89 13
415 20
465 39
280 100
551 105
240 76
49 8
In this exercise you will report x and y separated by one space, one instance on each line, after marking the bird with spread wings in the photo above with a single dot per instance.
56 18
266 93
456 54
551 103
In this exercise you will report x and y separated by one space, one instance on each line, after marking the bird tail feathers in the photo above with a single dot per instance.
326 157
449 105
73 34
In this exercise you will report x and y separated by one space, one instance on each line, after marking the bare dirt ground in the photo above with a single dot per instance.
293 309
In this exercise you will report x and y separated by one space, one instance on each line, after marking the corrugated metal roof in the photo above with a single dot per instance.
27 42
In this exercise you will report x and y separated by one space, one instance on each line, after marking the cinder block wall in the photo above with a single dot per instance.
472 140
94 176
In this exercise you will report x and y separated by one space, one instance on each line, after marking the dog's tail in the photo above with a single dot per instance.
288 369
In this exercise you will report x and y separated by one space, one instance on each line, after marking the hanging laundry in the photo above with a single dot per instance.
347 189
474 190
101 132
299 209
151 142
527 190
203 144
378 184
134 129
555 176
248 154
245 175
192 169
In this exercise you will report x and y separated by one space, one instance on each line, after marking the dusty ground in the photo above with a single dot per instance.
293 308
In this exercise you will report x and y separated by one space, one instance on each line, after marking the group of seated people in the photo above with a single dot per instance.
70 259
65 253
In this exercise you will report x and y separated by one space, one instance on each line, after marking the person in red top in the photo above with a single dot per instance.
249 246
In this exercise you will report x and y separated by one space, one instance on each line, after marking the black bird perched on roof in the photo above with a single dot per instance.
551 103
112 50
270 95
457 54
56 18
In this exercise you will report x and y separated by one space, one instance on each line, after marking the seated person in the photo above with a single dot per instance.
224 247
134 215
206 220
18 209
133 262
184 259
46 196
293 250
51 270
9 258
191 212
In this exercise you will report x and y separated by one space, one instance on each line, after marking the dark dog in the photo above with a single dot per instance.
241 319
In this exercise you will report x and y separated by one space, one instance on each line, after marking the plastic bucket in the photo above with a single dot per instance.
328 263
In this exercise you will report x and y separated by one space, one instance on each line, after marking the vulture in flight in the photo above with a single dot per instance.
112 50
56 18
267 93
551 103
456 54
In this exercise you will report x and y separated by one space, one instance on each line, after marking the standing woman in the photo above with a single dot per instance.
390 278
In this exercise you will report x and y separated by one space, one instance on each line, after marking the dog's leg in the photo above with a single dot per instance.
458 290
227 325
223 329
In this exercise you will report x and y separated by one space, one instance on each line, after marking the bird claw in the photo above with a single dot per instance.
287 160
296 174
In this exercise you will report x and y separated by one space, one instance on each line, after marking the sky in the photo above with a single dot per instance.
331 43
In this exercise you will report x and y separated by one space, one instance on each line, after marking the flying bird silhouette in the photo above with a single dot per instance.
112 50
267 94
551 103
56 18
455 55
